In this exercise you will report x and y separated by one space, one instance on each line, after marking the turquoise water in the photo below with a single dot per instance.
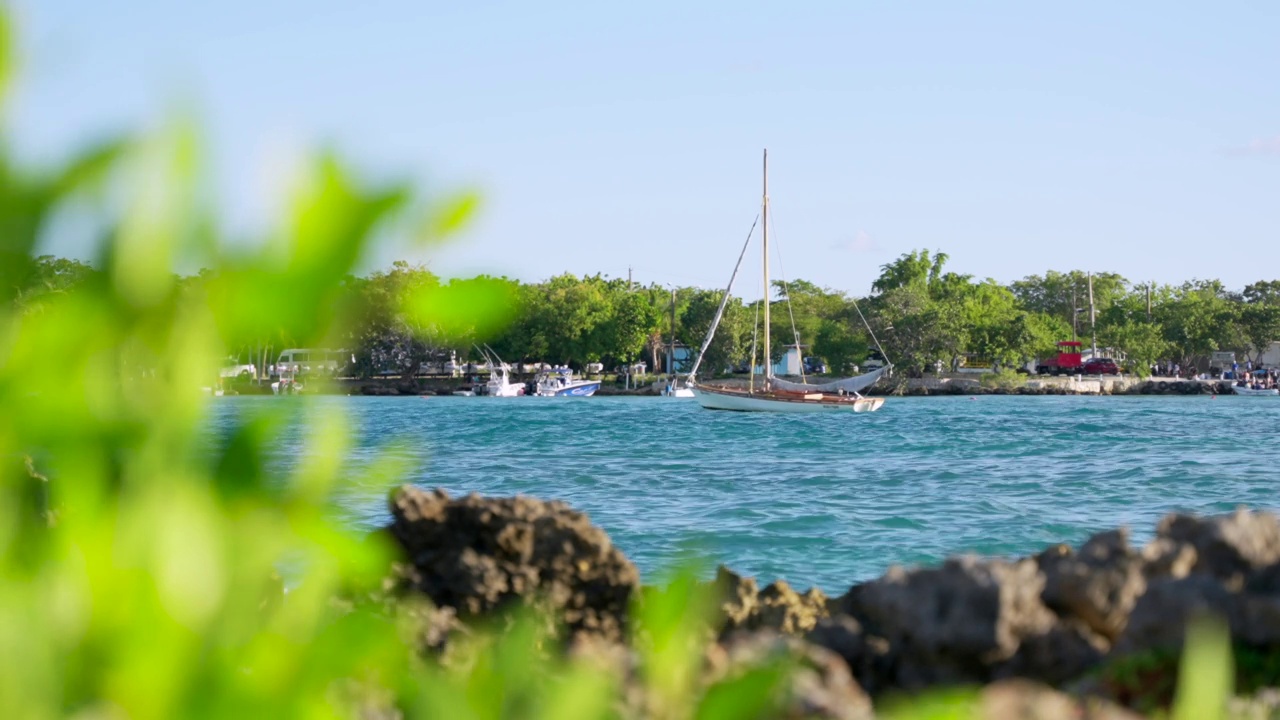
820 500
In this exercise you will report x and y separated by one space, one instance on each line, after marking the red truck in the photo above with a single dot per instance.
1070 362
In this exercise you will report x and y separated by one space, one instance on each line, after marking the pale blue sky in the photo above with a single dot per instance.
1142 138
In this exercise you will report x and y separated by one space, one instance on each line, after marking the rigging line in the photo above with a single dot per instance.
782 272
711 331
874 339
751 366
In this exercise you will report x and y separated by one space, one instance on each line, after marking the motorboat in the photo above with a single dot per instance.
500 384
1247 391
674 390
287 384
559 382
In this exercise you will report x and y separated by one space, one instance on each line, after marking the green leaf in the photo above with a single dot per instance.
448 216
1207 672
756 693
7 54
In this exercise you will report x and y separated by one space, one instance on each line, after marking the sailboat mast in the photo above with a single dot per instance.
764 234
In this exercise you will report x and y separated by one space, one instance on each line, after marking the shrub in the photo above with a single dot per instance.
1006 380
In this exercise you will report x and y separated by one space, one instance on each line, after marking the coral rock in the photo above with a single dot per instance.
477 555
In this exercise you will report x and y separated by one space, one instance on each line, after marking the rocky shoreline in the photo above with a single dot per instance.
1084 387
1047 636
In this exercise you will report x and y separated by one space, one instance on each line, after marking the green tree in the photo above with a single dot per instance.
48 275
392 336
733 336
634 320
917 328
824 321
1260 326
1198 318
1126 327
1263 292
1066 295
566 316
914 269
29 200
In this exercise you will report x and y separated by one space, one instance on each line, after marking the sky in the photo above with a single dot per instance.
1141 138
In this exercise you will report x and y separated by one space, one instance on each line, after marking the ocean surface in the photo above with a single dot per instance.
823 500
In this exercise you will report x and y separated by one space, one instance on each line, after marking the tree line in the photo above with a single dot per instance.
924 315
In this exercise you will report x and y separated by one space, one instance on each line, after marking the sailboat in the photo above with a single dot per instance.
777 395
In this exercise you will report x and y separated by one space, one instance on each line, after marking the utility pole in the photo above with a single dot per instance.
1093 318
628 278
1075 313
1149 300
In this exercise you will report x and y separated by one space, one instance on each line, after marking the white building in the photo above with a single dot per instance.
1271 356
791 362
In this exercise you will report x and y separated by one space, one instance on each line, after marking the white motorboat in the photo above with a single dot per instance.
560 382
773 394
500 384
673 388
675 391
1255 392
287 383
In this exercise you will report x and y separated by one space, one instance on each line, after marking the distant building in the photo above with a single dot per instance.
683 357
1271 356
791 362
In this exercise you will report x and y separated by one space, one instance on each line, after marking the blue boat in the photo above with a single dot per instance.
560 383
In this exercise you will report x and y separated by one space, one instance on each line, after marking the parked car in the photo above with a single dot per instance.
1101 366
815 366
237 371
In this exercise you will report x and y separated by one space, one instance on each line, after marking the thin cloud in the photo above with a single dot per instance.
1258 146
861 242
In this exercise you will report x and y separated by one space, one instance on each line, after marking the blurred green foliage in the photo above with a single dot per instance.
140 570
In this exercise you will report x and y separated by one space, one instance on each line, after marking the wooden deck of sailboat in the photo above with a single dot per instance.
723 398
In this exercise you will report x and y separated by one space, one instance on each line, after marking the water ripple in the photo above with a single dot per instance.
824 500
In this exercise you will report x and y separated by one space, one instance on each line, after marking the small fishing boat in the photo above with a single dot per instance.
287 384
500 384
560 382
775 394
1255 392
674 390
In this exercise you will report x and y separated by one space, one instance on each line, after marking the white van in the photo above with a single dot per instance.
313 360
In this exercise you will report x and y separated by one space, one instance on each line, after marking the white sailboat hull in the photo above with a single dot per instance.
744 402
